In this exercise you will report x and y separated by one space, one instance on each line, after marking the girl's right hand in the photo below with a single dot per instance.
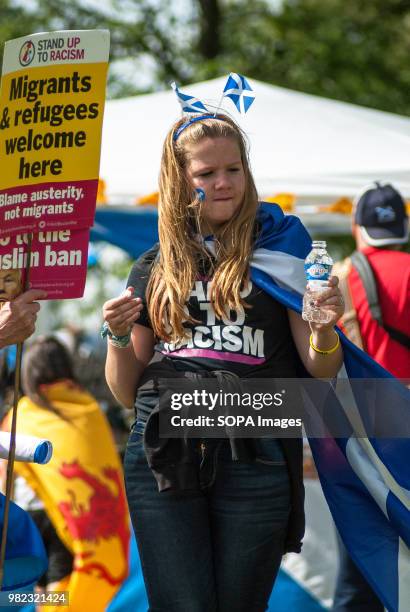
122 312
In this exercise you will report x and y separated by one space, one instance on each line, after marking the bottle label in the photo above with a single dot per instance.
317 271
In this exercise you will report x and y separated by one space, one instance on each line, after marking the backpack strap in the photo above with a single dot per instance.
349 319
362 265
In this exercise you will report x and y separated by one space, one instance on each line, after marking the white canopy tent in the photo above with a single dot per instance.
317 149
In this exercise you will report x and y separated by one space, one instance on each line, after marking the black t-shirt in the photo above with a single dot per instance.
250 342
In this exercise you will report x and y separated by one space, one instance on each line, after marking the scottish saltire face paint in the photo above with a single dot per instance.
200 194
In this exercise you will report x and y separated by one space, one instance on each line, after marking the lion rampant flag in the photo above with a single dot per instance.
82 490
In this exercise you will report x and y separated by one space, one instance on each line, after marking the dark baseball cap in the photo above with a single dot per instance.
380 212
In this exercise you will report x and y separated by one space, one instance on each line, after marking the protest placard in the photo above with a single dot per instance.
58 263
51 111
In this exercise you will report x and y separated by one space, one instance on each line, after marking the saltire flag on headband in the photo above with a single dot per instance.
365 480
237 88
188 103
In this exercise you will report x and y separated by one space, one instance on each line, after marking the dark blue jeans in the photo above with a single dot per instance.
217 549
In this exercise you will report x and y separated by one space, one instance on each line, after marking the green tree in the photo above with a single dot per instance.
150 34
351 50
15 21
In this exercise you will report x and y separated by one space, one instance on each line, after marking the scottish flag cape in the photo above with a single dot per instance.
366 481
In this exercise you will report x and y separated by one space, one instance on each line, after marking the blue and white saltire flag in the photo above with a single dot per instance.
239 91
188 103
366 481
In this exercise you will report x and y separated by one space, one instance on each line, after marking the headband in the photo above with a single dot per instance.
182 127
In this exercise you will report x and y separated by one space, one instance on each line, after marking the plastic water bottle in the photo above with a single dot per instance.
318 267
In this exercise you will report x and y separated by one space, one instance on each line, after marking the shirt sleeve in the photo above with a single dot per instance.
139 277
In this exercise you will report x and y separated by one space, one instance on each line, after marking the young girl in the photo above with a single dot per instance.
212 521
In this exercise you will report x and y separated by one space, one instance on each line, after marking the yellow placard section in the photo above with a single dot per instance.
50 124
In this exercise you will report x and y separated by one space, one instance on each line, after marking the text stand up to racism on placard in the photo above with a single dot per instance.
51 110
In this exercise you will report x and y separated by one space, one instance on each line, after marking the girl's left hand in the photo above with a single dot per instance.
332 301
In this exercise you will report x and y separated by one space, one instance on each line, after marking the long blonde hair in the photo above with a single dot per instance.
174 273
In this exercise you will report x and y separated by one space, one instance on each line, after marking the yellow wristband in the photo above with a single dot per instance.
330 351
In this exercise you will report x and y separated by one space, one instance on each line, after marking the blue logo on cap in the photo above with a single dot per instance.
385 214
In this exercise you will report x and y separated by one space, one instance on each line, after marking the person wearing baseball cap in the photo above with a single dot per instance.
380 213
375 284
